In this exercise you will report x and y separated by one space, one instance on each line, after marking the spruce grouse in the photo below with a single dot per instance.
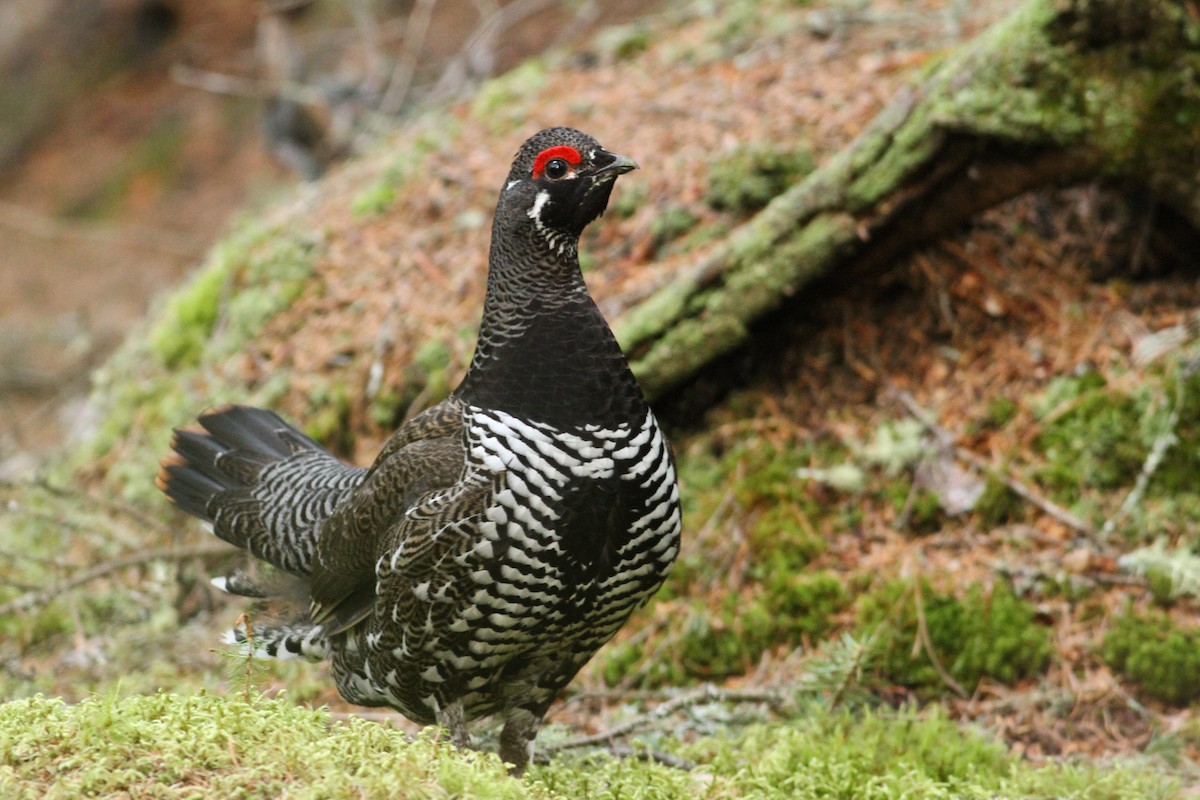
501 536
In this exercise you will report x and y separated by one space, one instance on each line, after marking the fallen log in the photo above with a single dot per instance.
1059 92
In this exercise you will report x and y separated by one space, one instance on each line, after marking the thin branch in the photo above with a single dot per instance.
657 756
926 642
1158 450
116 507
402 74
978 462
218 82
43 596
1031 573
19 218
705 694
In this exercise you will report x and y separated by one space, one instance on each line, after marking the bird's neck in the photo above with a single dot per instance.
545 352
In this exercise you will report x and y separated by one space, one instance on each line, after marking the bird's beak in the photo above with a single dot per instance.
619 166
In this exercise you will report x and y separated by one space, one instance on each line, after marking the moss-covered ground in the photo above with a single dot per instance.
959 489
200 746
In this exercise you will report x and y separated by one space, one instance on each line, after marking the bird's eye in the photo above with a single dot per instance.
556 169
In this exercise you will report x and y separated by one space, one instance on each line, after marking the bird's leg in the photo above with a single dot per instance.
451 718
516 738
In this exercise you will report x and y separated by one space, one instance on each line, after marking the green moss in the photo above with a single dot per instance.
725 627
1098 442
376 198
587 261
166 746
193 313
998 505
785 610
387 407
162 377
1150 650
1161 587
845 756
982 635
671 223
924 512
503 101
250 277
621 42
174 747
780 541
752 175
1095 438
803 607
628 200
427 376
1000 411
728 642
329 422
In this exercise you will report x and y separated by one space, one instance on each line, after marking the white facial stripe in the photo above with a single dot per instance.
539 202
510 184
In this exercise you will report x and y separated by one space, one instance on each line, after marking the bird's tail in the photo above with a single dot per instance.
281 641
261 484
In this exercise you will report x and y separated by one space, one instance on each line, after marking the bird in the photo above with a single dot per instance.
501 536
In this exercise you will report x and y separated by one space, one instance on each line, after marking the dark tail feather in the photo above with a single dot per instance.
230 456
261 483
187 486
254 430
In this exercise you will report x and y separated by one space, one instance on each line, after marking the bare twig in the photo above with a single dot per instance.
401 79
42 596
704 694
114 506
218 82
370 39
1017 487
1030 573
1158 450
926 642
657 756
1148 347
616 696
240 86
26 220
383 346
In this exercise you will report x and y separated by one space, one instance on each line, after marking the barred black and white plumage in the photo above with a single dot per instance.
500 537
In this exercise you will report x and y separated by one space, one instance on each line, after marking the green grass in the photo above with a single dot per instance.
199 746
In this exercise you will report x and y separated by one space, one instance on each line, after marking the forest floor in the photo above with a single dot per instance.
965 483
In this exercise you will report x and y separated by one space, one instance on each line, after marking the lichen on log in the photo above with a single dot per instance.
1058 92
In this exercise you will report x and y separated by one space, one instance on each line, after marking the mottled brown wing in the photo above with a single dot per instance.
425 582
425 455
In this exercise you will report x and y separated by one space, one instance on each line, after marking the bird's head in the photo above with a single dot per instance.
560 181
